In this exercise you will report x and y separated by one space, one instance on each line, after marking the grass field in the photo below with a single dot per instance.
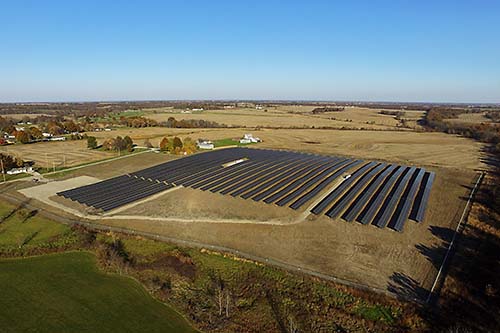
17 231
228 142
67 293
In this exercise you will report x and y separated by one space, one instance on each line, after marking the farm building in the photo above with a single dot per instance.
205 144
249 138
57 138
15 171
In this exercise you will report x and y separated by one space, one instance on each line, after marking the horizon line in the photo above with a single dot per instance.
252 100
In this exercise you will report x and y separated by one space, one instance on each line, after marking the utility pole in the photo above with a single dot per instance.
54 166
47 165
3 171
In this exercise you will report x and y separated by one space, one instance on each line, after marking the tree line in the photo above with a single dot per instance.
177 146
112 144
139 121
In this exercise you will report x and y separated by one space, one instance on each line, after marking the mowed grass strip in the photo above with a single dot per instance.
66 292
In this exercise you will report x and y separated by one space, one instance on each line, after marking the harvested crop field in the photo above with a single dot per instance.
427 149
287 116
58 154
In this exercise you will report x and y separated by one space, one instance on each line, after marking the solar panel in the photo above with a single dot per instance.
335 193
343 166
358 204
385 211
339 206
374 191
400 215
373 205
420 203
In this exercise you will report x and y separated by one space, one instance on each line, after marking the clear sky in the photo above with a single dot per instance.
373 50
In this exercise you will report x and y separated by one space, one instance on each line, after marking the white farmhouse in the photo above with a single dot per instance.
249 138
205 144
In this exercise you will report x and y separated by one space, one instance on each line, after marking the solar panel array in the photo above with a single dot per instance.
369 192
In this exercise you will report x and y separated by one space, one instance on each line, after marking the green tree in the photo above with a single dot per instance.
91 142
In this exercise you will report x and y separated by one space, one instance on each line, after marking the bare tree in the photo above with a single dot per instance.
228 301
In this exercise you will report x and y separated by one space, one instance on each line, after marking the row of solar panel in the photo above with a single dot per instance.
272 176
115 192
381 194
285 178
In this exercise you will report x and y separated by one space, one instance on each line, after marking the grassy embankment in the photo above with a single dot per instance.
65 292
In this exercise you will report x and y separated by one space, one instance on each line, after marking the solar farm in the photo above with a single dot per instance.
369 192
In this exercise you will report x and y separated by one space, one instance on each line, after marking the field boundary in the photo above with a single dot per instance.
458 230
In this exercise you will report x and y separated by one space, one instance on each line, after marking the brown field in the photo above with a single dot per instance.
288 116
58 154
19 116
470 118
119 167
427 149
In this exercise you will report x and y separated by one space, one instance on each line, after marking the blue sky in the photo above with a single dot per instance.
429 51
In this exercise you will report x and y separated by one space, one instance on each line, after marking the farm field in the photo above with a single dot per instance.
68 293
431 149
58 154
20 116
289 116
470 118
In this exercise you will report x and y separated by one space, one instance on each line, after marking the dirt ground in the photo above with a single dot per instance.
188 203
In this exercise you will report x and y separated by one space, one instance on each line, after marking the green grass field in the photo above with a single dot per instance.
18 231
228 142
67 293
